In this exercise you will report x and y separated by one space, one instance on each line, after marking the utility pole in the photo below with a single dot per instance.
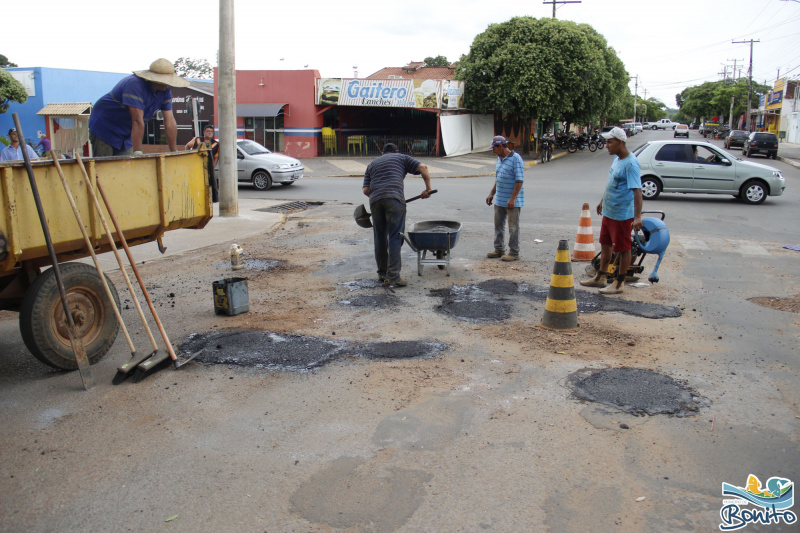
635 96
734 67
228 190
554 2
730 115
750 82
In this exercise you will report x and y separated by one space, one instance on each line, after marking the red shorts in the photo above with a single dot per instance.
616 233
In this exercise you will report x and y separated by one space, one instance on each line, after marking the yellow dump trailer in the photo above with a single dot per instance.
149 195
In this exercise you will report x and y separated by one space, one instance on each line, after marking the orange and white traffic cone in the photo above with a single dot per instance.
584 243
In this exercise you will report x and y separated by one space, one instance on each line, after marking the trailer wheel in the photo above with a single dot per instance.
42 323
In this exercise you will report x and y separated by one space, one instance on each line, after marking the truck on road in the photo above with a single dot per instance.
662 124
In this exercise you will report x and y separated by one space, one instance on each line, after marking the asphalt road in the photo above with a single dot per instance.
482 436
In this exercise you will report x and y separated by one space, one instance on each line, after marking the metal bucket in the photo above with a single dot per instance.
230 296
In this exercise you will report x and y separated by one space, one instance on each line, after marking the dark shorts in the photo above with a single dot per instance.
616 233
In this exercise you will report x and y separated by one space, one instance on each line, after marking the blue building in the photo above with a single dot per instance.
53 85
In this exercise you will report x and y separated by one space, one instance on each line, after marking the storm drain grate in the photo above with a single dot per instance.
291 207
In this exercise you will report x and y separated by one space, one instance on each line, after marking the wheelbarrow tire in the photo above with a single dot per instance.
41 318
440 254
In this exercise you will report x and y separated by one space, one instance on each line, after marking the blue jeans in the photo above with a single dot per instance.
388 221
500 216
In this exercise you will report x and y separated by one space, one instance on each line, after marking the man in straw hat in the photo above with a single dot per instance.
116 126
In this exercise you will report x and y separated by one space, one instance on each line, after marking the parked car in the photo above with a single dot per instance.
761 142
736 138
262 168
629 128
701 167
681 130
638 126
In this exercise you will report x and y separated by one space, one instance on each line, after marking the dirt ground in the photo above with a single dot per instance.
483 436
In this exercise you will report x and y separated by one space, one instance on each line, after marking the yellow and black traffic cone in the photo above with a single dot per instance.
561 308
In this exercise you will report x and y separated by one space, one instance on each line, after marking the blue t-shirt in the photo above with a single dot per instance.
624 176
111 120
385 175
508 172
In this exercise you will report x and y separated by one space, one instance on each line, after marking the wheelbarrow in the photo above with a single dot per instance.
436 236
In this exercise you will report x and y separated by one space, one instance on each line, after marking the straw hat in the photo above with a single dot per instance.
162 71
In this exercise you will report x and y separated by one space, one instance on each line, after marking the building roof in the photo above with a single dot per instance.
415 70
66 109
205 86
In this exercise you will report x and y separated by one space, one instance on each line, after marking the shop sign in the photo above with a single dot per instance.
414 93
775 97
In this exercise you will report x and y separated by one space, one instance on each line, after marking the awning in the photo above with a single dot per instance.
68 109
258 110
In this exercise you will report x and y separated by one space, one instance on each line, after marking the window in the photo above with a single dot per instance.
675 152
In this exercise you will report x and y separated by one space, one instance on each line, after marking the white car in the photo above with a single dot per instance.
262 168
701 167
681 130
638 126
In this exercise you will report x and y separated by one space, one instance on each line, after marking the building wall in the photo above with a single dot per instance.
56 86
302 125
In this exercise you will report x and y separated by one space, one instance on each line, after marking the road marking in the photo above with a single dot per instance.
749 247
742 247
306 170
438 170
693 244
468 165
348 165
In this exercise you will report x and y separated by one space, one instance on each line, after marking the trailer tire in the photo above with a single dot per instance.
41 318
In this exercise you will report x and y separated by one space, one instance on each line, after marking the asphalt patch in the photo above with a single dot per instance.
385 300
254 264
593 302
474 303
272 351
636 391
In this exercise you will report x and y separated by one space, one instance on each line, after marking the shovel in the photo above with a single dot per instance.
364 217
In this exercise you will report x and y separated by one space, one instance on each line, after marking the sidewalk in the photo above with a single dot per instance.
789 153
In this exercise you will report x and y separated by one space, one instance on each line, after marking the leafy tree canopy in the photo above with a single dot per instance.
544 68
10 91
438 61
193 68
713 98
5 63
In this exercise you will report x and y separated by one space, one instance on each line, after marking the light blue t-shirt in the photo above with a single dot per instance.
624 176
508 172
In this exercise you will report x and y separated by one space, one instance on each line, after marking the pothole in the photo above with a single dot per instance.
792 305
384 300
593 302
272 351
474 303
254 263
637 391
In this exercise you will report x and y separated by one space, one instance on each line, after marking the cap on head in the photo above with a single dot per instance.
499 140
12 130
616 133
208 126
389 148
162 71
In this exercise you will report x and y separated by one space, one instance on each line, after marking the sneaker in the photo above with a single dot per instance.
613 289
602 283
399 282
509 257
495 254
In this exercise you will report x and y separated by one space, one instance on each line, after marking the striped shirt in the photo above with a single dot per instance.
508 172
385 175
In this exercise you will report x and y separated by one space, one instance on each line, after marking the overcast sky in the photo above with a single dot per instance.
670 44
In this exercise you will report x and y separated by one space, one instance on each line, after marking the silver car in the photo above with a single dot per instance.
701 167
262 168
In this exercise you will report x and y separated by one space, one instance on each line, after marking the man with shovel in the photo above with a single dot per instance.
383 184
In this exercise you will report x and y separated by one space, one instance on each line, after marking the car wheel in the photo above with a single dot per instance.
674 135
775 155
753 192
654 128
262 180
651 188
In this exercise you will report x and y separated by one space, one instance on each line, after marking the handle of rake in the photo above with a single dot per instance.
114 248
135 270
91 249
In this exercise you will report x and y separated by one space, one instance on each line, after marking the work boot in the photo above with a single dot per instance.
595 282
495 254
399 282
614 288
509 257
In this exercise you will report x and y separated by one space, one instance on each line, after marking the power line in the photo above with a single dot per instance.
554 2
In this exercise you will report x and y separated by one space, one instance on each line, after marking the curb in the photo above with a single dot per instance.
794 162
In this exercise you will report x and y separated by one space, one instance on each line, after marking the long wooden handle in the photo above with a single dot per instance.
136 270
420 196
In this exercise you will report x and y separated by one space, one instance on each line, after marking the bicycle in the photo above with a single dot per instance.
547 150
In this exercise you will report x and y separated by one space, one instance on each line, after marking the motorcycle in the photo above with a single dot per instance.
547 149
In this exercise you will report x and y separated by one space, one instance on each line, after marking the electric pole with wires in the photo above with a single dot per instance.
750 82
554 2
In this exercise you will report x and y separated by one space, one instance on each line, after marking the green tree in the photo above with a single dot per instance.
543 68
193 68
10 91
5 63
713 98
438 61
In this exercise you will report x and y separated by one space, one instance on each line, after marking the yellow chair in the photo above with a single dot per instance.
329 141
356 141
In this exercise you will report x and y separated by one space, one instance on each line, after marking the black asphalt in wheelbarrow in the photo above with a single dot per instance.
436 236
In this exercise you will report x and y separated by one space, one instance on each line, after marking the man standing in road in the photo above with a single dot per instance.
621 208
509 197
383 183
116 125
13 151
210 144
